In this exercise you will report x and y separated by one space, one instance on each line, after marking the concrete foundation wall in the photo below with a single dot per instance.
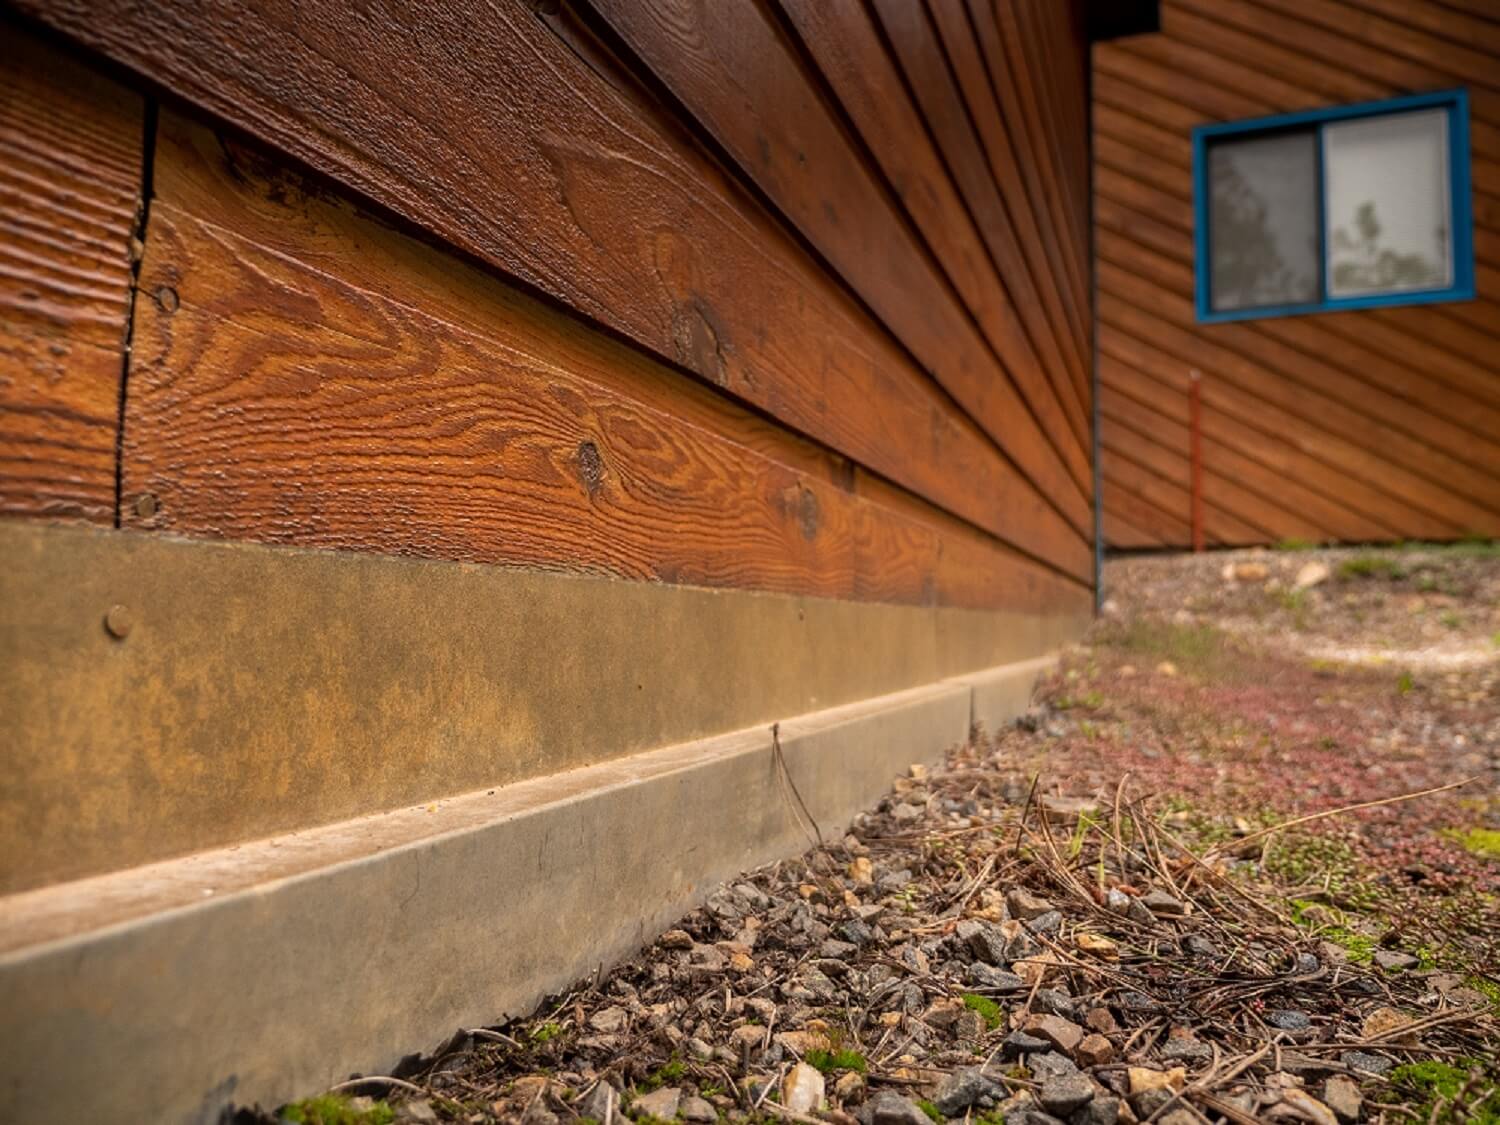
248 690
275 969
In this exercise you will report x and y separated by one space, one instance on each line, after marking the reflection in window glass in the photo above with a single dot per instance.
1386 181
1263 220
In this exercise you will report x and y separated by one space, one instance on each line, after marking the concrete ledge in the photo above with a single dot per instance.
1000 694
267 971
276 968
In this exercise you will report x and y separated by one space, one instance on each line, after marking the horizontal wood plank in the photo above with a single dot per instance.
70 174
484 127
919 52
736 74
316 378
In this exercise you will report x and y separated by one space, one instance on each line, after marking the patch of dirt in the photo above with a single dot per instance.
1415 606
1216 874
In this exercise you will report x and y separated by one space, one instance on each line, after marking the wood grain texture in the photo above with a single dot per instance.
1383 423
70 167
1018 80
319 379
739 78
482 126
1014 246
843 41
1039 241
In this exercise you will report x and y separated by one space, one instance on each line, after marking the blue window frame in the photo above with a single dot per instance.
1296 213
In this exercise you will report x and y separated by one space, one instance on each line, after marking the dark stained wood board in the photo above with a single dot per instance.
317 378
483 127
741 81
70 174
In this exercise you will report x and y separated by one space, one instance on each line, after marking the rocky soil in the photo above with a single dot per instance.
1192 884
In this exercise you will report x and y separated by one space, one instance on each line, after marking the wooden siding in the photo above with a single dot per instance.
70 168
721 187
1360 425
303 374
874 288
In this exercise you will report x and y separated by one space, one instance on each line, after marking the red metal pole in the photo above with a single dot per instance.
1195 414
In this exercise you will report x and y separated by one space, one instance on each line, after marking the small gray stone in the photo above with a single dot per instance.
1394 959
838 950
1024 905
1367 1063
1054 1001
1306 963
609 1020
536 1113
1152 1101
1289 1019
857 932
1341 1095
661 1103
601 1103
1049 1064
1019 1043
1065 1093
890 1108
1159 902
963 1088
1030 1117
694 1108
1183 1046
1103 1110
1048 923
419 1110
1196 945
987 976
751 897
984 941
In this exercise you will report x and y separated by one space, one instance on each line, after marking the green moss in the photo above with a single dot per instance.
1436 1084
1450 620
930 1110
1371 566
335 1109
828 1061
1485 987
1299 859
672 1070
1405 684
1483 842
1313 916
992 1012
1196 650
1091 700
1295 545
546 1032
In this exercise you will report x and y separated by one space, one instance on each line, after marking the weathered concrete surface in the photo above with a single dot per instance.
1002 693
263 689
277 968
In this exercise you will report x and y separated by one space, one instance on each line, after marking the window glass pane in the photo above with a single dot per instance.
1263 221
1387 200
